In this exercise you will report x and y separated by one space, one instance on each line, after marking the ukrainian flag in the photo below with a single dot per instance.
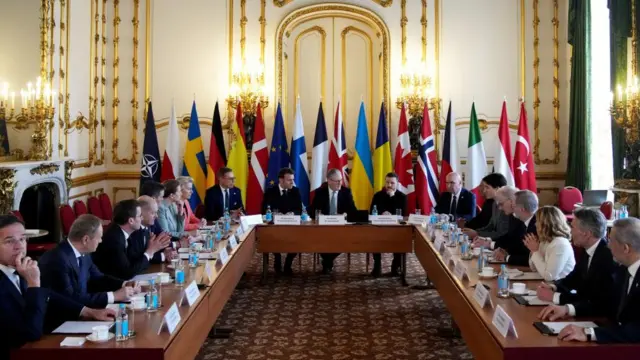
195 164
362 174
382 153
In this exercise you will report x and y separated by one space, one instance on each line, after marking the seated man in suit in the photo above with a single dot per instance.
457 201
155 190
624 299
68 270
510 247
112 257
586 289
333 199
140 238
284 198
388 201
223 196
490 214
25 305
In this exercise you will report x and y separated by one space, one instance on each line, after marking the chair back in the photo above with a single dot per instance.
17 214
80 208
567 198
607 209
94 207
67 217
105 205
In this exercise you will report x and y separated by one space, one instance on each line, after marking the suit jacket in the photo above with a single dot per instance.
170 220
384 202
138 241
191 222
292 202
214 202
498 225
87 285
512 242
24 316
466 206
112 257
624 311
321 202
489 209
593 286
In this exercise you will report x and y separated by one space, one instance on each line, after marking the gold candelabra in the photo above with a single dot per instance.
416 89
248 88
625 109
36 109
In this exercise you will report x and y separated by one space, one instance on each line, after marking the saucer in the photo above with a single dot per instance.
480 275
526 292
92 339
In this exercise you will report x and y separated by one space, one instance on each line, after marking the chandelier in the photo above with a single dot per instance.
416 89
247 87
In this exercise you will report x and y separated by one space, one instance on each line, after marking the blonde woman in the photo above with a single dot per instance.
191 222
551 252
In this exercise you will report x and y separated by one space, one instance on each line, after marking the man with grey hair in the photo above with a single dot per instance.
622 309
142 238
510 247
68 270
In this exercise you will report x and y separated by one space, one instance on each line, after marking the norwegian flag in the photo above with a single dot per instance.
427 170
403 166
338 150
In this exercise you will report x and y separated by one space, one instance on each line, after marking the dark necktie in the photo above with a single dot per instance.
226 199
454 205
80 263
625 292
584 265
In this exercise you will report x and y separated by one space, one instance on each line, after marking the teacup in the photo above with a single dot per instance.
198 246
164 277
476 251
518 288
138 302
487 271
100 332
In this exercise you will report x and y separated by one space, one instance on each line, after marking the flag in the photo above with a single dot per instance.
503 162
279 154
238 154
427 169
319 156
150 169
525 172
195 164
477 160
258 167
403 164
450 162
217 154
299 156
338 149
362 173
382 153
171 158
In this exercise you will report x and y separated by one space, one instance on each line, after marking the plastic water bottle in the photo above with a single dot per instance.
304 216
464 247
152 297
218 234
268 216
374 211
503 282
481 259
624 213
122 324
179 274
193 256
211 244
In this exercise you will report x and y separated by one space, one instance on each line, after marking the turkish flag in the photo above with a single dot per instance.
523 166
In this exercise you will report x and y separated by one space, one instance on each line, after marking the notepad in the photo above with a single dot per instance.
534 301
73 341
80 327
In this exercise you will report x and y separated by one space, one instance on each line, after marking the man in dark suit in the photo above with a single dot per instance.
387 201
284 198
586 289
155 190
112 257
139 239
488 187
332 200
457 201
510 247
223 196
624 299
27 311
68 270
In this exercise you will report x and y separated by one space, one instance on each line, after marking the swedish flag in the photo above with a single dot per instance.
195 164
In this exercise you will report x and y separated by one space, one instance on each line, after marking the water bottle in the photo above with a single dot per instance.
211 245
481 259
159 288
624 213
179 274
122 324
152 297
503 282
193 256
304 216
374 211
227 221
268 216
464 247
218 234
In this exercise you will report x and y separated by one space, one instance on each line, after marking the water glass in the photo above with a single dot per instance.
399 214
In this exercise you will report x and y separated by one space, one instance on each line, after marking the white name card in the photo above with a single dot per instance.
415 219
482 296
503 322
240 230
192 293
223 255
171 319
460 270
233 241
208 270
447 256
383 219
332 220
438 243
286 220
251 220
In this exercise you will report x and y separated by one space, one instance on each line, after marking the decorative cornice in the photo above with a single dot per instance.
383 3
44 169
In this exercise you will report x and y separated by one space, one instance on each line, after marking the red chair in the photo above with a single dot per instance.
105 205
607 209
80 208
567 198
67 217
17 214
94 207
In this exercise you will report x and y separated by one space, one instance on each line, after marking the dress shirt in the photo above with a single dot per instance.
12 274
554 259
126 243
282 190
590 251
78 255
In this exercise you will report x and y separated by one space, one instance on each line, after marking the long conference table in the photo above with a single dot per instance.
475 323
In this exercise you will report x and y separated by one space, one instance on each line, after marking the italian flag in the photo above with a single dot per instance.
477 161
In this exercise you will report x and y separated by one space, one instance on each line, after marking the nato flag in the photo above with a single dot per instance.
151 161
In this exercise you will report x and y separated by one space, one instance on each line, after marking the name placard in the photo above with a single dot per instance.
223 255
446 257
286 220
170 320
250 220
192 293
208 270
383 219
438 243
460 270
233 241
415 219
332 220
482 296
240 230
503 322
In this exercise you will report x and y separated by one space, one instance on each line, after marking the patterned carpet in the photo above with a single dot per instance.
342 316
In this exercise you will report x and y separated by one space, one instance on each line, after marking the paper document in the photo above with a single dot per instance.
80 327
73 341
529 275
533 300
146 277
557 326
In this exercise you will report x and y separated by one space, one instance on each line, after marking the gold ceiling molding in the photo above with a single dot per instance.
423 22
556 86
105 175
403 27
383 3
323 49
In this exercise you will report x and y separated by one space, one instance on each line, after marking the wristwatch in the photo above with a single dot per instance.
590 334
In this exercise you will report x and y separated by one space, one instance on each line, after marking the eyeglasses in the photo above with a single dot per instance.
230 178
13 241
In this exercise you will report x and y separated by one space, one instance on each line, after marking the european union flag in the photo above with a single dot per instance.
151 161
279 153
195 164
